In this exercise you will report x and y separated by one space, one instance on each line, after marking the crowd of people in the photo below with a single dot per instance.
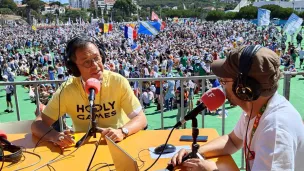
180 50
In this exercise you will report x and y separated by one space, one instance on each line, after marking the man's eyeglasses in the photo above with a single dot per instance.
222 82
88 63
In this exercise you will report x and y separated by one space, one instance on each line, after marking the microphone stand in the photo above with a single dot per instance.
94 129
194 153
195 132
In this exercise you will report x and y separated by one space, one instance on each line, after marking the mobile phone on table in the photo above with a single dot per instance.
189 138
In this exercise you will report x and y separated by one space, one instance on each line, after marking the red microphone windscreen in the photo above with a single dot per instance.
3 134
213 98
92 83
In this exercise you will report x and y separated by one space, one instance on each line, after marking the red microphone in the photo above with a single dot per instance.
92 87
212 99
3 138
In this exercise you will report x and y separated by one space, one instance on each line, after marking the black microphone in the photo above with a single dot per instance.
91 96
211 99
3 138
192 114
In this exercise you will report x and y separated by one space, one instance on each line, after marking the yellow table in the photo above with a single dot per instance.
132 145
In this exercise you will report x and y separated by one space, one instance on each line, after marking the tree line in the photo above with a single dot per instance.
250 12
125 10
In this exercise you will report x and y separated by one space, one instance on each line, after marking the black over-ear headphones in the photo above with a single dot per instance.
70 49
16 152
244 87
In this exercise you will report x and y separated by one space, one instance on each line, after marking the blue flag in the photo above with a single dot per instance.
293 23
148 28
263 17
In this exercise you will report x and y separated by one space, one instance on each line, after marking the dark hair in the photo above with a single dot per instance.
77 44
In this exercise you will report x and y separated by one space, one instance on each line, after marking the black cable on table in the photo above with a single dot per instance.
2 150
162 150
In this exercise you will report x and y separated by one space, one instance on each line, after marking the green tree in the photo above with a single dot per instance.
285 13
229 7
73 14
275 10
230 15
6 11
248 12
51 17
215 15
8 4
301 15
35 5
21 11
123 8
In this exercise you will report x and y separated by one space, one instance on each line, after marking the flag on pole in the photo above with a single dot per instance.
147 28
111 26
154 16
130 33
263 17
293 23
135 46
105 27
100 27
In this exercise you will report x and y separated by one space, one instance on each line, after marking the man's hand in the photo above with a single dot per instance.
177 158
114 134
64 139
200 165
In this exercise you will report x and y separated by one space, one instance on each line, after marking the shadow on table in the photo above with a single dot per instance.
29 142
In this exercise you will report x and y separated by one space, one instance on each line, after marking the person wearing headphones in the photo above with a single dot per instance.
270 129
119 113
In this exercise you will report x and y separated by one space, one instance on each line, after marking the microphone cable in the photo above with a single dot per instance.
161 151
93 155
2 153
38 142
142 161
32 153
104 165
40 139
58 159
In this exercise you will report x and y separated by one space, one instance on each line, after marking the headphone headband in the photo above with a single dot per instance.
246 59
70 64
16 153
244 87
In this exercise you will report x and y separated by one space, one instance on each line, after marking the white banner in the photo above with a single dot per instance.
263 17
293 24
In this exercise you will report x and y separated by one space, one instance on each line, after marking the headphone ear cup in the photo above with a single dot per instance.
246 92
72 68
255 87
103 55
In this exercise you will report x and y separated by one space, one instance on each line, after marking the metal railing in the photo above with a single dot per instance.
286 92
35 84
